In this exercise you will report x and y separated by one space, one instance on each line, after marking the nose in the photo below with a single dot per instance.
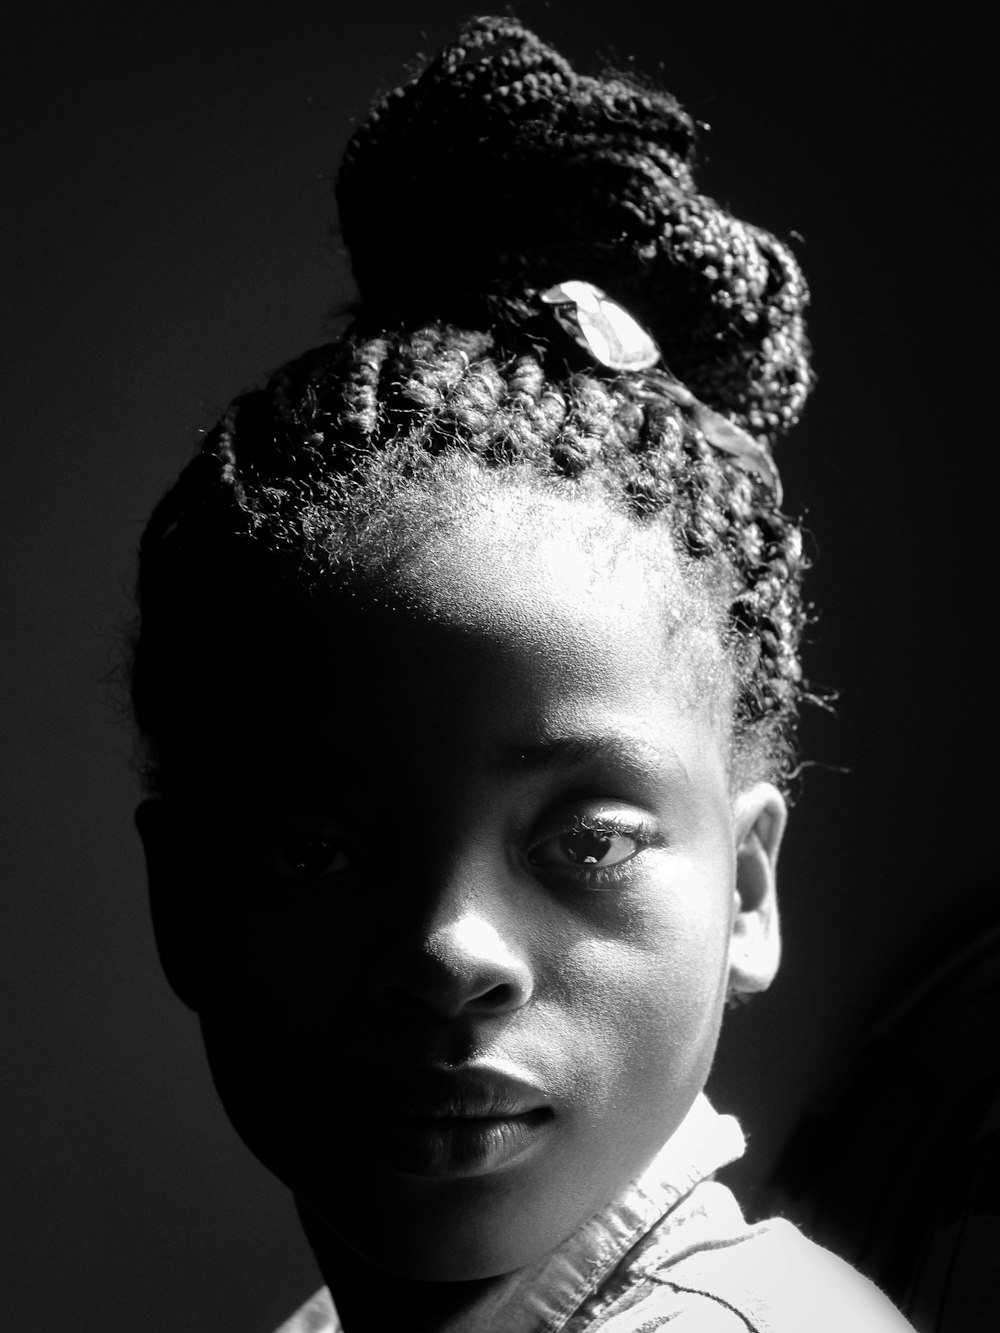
463 964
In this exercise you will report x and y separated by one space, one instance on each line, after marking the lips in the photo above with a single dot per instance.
467 1093
451 1123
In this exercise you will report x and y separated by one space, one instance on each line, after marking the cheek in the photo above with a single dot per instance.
274 1069
651 990
267 997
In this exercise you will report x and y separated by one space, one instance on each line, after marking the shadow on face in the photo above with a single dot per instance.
455 879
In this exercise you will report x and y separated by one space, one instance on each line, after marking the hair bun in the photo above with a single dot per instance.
499 171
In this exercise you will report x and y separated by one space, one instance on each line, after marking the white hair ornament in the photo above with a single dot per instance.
616 341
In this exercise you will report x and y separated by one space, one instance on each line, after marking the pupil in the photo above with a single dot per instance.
310 857
586 847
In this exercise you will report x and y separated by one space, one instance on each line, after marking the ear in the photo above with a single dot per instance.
176 935
755 947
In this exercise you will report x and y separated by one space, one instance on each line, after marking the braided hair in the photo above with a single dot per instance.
493 174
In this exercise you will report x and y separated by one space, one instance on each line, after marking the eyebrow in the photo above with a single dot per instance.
628 753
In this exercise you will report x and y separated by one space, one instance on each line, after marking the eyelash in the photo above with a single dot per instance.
598 877
290 847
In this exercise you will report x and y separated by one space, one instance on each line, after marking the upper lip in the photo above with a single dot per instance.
473 1093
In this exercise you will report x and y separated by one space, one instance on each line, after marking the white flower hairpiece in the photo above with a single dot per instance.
615 340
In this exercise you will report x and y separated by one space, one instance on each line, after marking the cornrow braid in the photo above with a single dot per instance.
449 355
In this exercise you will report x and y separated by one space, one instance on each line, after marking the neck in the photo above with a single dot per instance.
370 1300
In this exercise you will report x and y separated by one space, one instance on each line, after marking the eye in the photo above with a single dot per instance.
593 844
311 857
584 846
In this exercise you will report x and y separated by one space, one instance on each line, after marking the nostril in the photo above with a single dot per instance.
450 993
503 996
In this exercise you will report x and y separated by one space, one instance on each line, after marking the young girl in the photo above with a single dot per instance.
467 669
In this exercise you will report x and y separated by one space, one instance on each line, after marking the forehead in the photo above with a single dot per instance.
508 617
505 558
507 553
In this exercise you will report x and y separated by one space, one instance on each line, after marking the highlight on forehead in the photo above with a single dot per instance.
456 494
573 533
456 543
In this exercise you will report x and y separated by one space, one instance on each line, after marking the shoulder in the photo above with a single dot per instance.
778 1281
767 1278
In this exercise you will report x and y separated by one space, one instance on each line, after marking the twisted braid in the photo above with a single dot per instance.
581 178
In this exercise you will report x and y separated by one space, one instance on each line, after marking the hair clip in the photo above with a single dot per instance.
615 340
601 326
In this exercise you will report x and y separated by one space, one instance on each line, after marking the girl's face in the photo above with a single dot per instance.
458 885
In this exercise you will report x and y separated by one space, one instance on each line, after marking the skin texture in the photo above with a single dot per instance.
373 878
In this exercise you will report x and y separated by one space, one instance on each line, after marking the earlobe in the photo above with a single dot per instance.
755 947
175 940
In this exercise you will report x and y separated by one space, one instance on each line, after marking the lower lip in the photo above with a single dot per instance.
437 1147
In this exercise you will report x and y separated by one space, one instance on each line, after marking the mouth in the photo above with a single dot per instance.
469 1093
454 1123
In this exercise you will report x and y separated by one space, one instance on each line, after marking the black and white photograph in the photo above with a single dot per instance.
498 676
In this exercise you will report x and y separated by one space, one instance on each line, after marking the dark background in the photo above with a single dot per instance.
166 179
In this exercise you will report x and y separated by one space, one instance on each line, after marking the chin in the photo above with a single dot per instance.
462 1264
444 1239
